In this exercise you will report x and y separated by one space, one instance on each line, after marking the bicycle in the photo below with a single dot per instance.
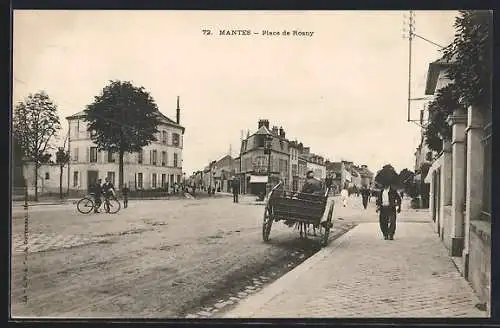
87 204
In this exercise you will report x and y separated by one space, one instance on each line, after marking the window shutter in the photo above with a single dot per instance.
88 155
151 181
135 180
150 157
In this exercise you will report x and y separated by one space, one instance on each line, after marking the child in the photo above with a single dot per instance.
125 191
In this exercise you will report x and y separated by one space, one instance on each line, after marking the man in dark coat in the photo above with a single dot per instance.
235 187
365 194
312 185
388 200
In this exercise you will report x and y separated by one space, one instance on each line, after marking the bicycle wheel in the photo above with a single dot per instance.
114 205
85 205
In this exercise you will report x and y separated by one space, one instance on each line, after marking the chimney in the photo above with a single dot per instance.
178 112
263 123
275 130
282 132
306 150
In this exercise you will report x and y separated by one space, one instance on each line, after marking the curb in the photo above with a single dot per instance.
255 302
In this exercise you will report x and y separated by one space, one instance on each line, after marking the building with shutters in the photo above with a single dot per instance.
254 164
158 165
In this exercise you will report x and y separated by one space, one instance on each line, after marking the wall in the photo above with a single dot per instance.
318 169
479 271
50 185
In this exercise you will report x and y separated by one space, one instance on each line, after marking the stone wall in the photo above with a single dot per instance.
479 267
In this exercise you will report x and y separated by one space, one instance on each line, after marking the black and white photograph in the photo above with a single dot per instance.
252 164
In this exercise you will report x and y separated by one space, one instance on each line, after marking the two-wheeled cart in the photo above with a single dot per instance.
298 209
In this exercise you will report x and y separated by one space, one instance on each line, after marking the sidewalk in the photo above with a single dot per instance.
361 275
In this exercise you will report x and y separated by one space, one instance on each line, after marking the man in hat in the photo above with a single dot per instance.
235 187
312 184
387 201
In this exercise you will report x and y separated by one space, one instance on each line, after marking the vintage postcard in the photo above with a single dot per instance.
251 164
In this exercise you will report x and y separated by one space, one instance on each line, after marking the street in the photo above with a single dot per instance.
154 259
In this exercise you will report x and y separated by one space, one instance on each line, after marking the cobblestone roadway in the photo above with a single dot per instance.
362 275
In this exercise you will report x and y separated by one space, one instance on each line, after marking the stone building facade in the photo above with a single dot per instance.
158 165
254 162
460 189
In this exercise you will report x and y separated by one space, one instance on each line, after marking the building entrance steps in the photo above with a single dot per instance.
362 275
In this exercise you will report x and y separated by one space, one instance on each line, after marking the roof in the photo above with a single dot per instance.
162 117
435 68
263 130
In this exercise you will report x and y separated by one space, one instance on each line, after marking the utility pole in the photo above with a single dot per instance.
411 29
409 32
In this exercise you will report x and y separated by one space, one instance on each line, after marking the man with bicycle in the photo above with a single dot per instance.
108 190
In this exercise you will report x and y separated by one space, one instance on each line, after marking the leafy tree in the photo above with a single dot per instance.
471 55
387 176
62 158
124 118
406 178
437 130
35 124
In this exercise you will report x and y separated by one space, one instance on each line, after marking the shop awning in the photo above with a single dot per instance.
258 179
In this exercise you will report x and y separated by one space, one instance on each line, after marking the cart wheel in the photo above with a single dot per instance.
328 225
266 225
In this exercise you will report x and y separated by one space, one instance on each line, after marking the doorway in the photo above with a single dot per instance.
92 177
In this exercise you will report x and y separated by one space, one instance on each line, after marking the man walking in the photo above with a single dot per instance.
365 194
387 201
125 191
235 186
344 194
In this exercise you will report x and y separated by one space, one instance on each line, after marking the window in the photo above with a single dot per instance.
163 158
178 178
163 180
171 179
153 180
75 130
138 183
93 154
75 154
164 137
154 159
75 179
111 176
260 141
140 157
111 158
47 176
175 139
175 160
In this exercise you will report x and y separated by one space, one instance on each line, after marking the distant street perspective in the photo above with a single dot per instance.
278 170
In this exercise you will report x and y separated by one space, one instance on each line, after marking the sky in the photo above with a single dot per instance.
341 91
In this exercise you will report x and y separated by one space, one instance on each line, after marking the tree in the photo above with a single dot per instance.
17 157
471 55
124 118
406 177
446 101
35 124
62 158
387 176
